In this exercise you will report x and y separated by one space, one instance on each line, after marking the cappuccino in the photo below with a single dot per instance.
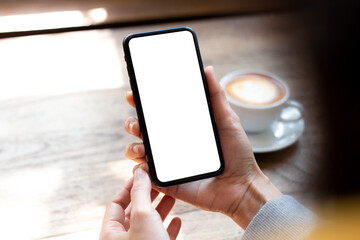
255 89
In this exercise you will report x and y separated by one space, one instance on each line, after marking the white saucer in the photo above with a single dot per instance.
279 136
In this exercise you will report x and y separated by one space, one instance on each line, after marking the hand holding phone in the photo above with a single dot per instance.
241 189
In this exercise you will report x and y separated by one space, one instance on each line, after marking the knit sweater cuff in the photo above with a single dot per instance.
281 218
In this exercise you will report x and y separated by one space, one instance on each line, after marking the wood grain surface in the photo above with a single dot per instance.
62 155
139 10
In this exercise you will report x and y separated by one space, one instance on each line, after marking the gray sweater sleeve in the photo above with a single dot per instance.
281 218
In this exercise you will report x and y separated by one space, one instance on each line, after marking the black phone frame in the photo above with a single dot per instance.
140 113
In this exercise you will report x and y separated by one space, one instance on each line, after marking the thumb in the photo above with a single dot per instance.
140 192
219 103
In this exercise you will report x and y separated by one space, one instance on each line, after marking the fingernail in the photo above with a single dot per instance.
131 124
135 148
211 68
139 173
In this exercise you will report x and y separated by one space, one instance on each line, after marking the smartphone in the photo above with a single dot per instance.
173 106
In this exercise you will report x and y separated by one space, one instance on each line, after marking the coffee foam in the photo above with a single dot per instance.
255 89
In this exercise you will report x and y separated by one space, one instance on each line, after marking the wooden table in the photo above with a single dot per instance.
62 112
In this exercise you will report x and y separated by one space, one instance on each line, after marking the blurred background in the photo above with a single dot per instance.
62 105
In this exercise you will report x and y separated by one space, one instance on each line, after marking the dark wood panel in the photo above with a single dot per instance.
126 11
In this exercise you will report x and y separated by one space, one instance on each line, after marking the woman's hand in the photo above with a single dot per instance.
140 220
242 189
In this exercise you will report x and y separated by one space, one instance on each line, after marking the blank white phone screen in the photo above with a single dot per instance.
174 104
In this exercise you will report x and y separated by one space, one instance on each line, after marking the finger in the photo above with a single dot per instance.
144 167
126 224
219 103
153 194
136 152
132 126
174 228
114 213
140 192
165 206
178 191
129 98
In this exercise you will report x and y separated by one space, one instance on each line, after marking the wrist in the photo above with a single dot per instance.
258 192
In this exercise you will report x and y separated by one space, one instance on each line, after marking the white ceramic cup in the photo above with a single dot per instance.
260 118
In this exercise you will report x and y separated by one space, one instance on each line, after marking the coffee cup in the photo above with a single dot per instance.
260 98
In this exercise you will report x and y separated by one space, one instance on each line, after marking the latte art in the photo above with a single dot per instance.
255 89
